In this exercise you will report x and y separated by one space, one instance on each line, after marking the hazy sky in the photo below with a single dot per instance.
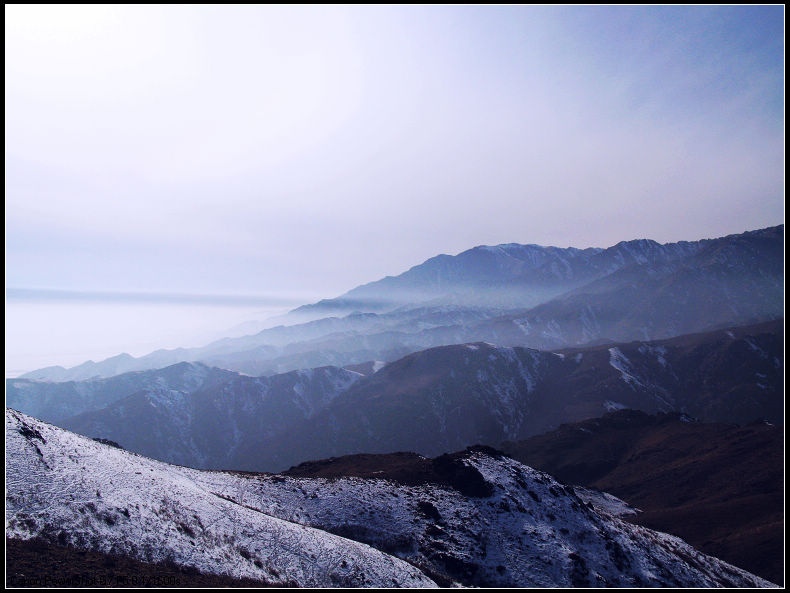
295 152
304 150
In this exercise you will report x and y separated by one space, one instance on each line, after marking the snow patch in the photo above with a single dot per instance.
658 351
755 348
620 362
523 325
605 502
612 406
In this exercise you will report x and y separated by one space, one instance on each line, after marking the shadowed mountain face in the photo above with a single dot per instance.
38 563
446 398
718 486
54 402
205 427
729 281
430 402
512 295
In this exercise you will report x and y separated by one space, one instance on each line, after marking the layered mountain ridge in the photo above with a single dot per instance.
187 413
433 401
507 275
523 347
511 295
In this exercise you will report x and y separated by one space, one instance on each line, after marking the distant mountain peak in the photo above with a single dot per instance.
508 274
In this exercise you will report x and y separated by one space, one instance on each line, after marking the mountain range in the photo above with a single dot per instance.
430 402
186 413
512 295
648 379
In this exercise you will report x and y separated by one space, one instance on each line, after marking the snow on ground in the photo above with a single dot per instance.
74 490
503 524
531 531
755 347
659 352
605 502
612 406
620 362
629 373
523 325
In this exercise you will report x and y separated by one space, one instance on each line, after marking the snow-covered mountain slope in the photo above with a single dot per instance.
490 521
204 428
71 490
718 486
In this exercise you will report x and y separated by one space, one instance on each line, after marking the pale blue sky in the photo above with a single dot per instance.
295 152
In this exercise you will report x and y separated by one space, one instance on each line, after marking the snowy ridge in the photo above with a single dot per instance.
69 489
530 531
501 524
460 395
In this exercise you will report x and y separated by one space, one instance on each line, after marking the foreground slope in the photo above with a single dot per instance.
71 490
718 486
38 563
493 521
